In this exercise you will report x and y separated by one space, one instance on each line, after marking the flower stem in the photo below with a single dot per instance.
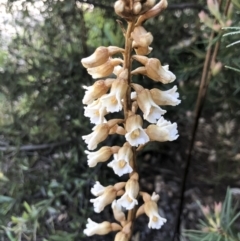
127 101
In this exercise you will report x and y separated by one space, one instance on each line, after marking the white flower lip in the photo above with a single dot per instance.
97 228
151 210
102 155
113 100
120 166
163 131
151 111
121 163
129 199
96 112
135 134
168 97
104 199
98 189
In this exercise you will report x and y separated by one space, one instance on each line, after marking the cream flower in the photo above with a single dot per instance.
154 70
105 195
128 200
168 97
135 133
105 69
100 56
97 228
113 100
121 236
141 38
117 212
121 162
163 131
104 199
99 134
97 189
151 111
96 112
101 155
155 220
98 89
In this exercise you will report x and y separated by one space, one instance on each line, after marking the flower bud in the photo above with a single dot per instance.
216 68
135 134
152 12
137 7
105 69
213 7
101 155
141 38
148 4
163 131
119 6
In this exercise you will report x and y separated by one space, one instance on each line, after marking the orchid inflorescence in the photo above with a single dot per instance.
119 94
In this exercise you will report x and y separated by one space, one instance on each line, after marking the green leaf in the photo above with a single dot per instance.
4 199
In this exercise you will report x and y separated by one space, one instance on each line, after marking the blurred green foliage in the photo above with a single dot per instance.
44 179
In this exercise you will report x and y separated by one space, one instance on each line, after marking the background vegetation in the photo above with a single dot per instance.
44 179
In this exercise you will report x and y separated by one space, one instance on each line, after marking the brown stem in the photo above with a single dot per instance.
127 101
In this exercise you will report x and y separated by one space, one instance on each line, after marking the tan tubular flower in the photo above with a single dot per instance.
121 236
151 111
97 228
143 50
151 210
98 89
105 69
135 133
128 200
113 100
124 9
168 97
117 212
101 155
152 12
163 131
105 195
100 56
141 37
100 133
96 112
100 228
154 70
122 160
